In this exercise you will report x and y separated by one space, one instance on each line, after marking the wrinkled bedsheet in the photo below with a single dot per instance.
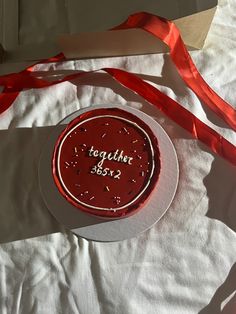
186 263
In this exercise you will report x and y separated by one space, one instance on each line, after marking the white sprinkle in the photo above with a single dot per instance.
125 129
103 135
84 145
91 198
107 188
117 202
86 192
116 197
134 141
134 181
67 163
139 157
106 123
142 173
75 149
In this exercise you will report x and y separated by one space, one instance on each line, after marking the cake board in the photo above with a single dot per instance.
99 229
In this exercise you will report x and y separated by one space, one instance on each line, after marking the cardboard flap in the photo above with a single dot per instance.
134 41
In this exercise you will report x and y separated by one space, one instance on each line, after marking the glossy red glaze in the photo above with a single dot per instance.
106 162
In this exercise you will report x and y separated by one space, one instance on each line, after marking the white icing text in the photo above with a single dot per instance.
116 156
106 172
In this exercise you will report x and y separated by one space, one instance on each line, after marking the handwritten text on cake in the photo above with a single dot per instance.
115 156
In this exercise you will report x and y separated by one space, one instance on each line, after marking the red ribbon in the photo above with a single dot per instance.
167 32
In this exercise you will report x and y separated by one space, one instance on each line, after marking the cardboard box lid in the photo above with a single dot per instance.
90 15
193 28
28 29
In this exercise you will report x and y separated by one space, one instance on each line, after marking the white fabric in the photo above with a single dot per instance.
178 265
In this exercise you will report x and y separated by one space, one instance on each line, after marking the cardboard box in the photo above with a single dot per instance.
193 28
29 30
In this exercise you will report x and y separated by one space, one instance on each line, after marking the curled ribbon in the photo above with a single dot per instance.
167 32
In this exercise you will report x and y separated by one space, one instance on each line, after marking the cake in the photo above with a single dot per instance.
106 162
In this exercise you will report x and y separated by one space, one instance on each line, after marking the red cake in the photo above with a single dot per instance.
106 162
